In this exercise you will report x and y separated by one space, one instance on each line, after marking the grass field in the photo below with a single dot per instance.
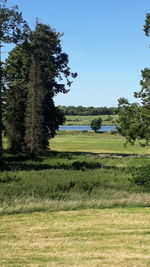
97 143
108 237
76 205
86 120
73 176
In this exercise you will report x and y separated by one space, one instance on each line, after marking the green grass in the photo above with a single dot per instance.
74 176
75 207
109 237
69 181
86 120
97 143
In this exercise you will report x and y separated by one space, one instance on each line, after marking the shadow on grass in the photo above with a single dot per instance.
24 162
76 165
69 155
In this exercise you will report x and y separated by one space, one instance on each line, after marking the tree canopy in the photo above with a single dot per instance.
96 124
56 77
85 111
12 30
134 118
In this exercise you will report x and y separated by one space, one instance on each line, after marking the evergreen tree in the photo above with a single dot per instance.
35 132
17 76
54 68
12 29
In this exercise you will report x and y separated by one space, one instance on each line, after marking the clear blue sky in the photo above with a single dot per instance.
105 42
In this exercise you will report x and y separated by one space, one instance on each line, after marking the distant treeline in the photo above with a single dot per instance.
71 110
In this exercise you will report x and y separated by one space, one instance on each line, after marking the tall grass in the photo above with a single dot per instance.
74 179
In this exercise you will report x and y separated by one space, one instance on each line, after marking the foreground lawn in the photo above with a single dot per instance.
109 237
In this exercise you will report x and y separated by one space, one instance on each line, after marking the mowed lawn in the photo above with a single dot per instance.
107 237
96 143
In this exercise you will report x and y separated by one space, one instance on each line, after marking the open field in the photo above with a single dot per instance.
86 120
96 143
108 237
75 205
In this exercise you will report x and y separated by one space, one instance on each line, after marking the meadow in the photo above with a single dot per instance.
83 170
77 205
96 143
86 120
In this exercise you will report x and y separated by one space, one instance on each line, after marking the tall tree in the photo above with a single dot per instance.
35 132
12 29
16 74
54 68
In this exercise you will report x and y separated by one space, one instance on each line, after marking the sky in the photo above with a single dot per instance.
105 43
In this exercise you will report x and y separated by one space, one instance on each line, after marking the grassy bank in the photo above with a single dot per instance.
110 237
71 180
86 120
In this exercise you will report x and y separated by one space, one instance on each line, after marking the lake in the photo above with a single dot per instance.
86 128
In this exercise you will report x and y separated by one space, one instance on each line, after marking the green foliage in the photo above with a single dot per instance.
13 27
147 24
36 136
141 177
96 124
134 119
53 65
68 177
87 111
129 120
15 96
144 93
12 30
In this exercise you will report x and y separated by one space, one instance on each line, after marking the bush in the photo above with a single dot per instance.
96 124
141 177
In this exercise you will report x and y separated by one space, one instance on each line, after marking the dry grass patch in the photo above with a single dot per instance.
109 237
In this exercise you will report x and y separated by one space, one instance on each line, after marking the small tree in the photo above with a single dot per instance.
96 124
134 118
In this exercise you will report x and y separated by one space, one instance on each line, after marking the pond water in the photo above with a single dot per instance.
86 128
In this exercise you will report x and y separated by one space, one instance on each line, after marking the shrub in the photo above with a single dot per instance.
96 124
141 177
